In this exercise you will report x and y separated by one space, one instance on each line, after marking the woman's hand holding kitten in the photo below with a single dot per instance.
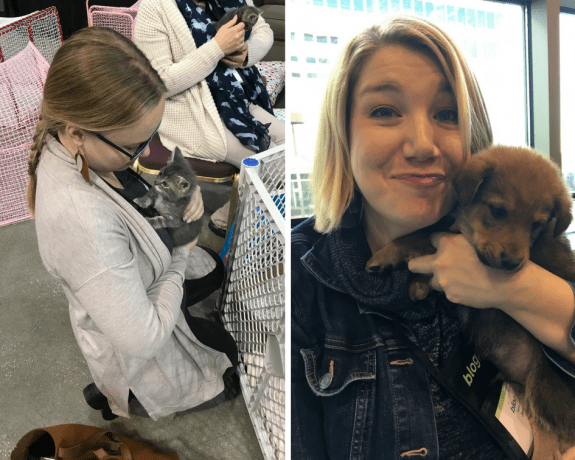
237 59
230 37
195 209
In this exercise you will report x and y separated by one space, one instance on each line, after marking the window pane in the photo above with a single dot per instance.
567 75
490 35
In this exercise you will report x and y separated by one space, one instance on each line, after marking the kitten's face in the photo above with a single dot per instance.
177 178
174 185
250 17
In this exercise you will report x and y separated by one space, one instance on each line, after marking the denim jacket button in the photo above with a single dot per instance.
325 381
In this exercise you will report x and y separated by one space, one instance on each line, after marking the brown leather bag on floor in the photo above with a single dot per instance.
82 442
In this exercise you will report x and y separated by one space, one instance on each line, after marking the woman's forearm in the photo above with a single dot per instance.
541 302
190 71
544 304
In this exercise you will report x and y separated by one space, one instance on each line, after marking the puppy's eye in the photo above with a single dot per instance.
497 212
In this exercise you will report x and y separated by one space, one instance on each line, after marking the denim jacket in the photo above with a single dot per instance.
357 391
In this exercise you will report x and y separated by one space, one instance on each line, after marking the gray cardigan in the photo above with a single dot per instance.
124 291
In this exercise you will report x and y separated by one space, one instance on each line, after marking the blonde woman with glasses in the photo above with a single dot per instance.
124 280
402 112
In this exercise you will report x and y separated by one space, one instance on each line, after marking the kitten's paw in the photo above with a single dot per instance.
143 201
157 222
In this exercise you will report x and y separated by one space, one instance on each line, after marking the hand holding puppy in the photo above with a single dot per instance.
457 271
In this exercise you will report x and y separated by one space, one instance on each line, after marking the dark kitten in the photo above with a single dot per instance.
169 197
246 14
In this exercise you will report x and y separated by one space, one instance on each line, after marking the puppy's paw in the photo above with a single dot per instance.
400 250
419 287
386 259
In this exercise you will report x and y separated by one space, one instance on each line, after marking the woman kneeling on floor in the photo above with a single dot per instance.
125 281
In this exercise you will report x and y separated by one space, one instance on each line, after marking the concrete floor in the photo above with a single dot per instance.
42 372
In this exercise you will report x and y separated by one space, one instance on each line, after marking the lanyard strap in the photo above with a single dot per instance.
497 431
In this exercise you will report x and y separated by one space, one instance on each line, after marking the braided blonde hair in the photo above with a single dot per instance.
38 141
98 80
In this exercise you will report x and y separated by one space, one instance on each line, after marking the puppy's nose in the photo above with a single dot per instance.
509 264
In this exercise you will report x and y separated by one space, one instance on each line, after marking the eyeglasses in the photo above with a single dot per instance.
139 150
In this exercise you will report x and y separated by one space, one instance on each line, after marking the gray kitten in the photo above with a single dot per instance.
246 14
168 198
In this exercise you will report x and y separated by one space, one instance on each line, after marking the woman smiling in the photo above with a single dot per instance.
402 112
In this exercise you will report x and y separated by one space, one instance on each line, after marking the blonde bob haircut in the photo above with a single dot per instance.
98 80
332 179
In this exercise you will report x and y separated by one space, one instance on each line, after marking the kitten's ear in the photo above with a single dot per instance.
183 184
177 155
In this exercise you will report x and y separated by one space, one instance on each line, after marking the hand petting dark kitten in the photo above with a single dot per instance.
246 14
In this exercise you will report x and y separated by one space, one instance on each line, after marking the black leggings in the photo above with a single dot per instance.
214 336
209 333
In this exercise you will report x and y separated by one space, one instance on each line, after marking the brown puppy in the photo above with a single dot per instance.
513 205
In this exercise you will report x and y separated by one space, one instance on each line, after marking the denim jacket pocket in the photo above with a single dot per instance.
329 370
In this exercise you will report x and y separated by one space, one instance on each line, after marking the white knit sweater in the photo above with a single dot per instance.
191 120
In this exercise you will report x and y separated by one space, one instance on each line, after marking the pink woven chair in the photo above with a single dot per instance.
22 78
122 20
41 28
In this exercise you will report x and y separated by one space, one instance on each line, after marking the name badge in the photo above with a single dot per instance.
493 399
238 76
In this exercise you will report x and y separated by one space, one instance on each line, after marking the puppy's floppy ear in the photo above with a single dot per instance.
562 212
469 178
